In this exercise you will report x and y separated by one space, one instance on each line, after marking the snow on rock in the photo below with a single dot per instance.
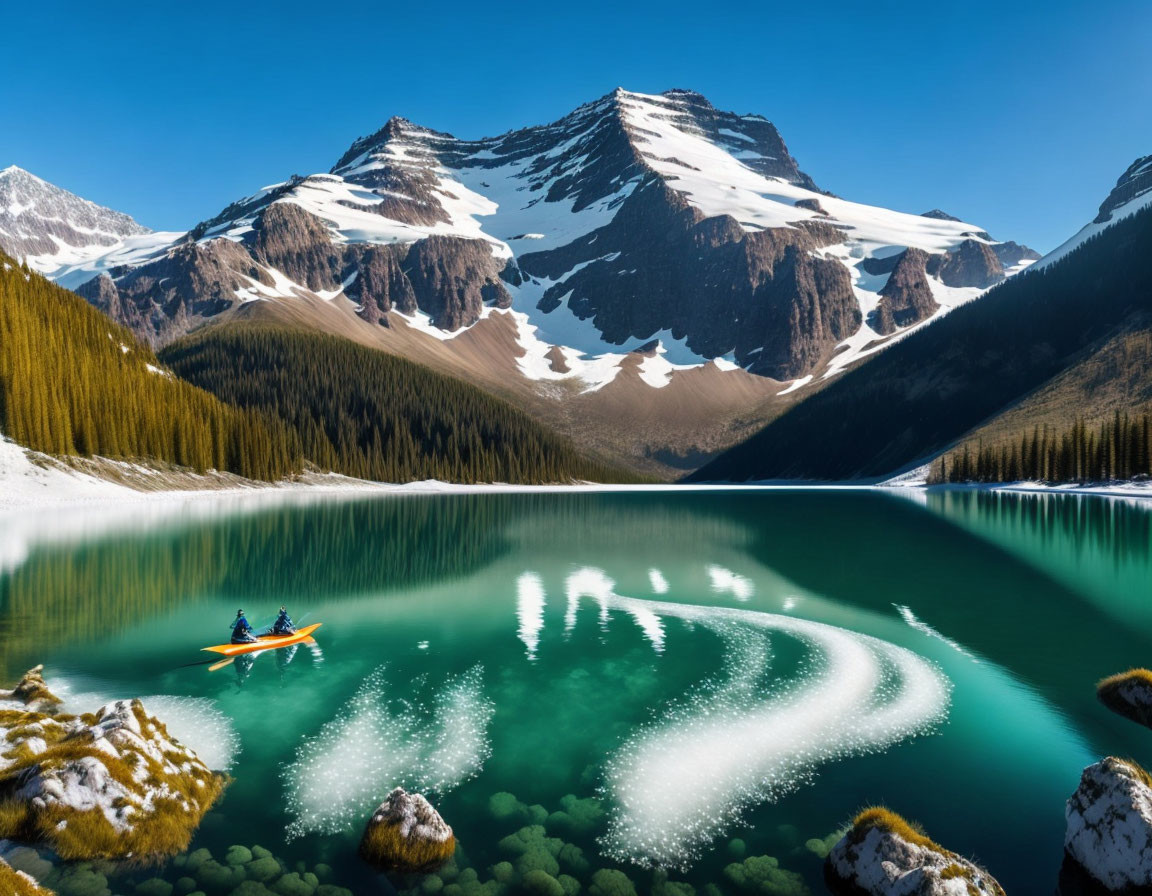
406 834
108 784
1132 194
1109 824
49 227
883 855
31 693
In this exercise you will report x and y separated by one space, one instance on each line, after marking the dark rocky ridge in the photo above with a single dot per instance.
762 295
972 263
906 298
449 278
1135 181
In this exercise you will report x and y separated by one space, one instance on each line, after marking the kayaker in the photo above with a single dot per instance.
241 630
283 624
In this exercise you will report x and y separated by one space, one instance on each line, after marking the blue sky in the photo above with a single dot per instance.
1015 116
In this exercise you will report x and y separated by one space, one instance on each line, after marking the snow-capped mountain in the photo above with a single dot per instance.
1133 192
49 227
635 218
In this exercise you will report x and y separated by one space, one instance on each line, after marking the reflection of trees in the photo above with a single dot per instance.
82 593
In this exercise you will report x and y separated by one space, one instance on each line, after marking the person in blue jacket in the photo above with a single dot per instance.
241 631
283 624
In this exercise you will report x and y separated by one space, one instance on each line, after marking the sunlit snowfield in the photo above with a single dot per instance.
729 674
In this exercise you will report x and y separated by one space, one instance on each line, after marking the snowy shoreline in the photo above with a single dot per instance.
44 501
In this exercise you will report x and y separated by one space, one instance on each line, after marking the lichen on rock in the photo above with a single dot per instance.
113 784
1109 824
406 834
883 854
1128 694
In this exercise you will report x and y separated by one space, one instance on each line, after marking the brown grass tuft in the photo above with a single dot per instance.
12 883
384 847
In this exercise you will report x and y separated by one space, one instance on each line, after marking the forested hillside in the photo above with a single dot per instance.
933 389
368 414
74 383
1117 449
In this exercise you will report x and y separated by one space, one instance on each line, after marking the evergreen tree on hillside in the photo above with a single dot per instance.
372 415
74 383
1118 448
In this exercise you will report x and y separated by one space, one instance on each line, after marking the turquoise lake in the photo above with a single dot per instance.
669 682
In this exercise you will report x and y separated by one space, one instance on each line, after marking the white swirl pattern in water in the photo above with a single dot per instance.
376 743
677 784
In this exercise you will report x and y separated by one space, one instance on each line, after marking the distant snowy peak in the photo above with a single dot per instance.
49 226
1132 193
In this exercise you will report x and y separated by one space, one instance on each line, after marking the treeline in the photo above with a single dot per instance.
1116 449
923 393
74 383
364 413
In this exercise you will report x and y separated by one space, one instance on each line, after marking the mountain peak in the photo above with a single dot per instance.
41 221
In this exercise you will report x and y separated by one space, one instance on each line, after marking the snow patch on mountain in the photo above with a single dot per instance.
48 226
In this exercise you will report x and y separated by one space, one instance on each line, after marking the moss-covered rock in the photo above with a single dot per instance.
19 883
106 785
541 883
33 692
1129 694
82 880
610 882
154 887
763 875
503 872
263 869
570 884
238 855
215 877
407 835
881 849
293 884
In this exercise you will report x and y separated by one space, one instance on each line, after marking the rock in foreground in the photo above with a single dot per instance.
883 855
17 883
32 691
406 834
111 784
1109 833
1129 694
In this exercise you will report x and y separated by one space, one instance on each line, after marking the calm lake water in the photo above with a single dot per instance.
679 680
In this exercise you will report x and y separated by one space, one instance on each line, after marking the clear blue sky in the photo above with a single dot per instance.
1015 116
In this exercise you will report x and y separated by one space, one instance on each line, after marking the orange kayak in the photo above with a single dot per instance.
265 642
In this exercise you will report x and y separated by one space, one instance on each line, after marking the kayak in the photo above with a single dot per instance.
265 642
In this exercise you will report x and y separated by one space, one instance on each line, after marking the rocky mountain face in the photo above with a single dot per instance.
636 217
1068 339
48 226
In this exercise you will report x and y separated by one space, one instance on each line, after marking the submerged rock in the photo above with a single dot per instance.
883 855
406 834
1109 832
110 784
763 874
17 883
1129 694
33 692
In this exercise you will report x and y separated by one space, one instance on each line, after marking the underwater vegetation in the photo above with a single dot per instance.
238 871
